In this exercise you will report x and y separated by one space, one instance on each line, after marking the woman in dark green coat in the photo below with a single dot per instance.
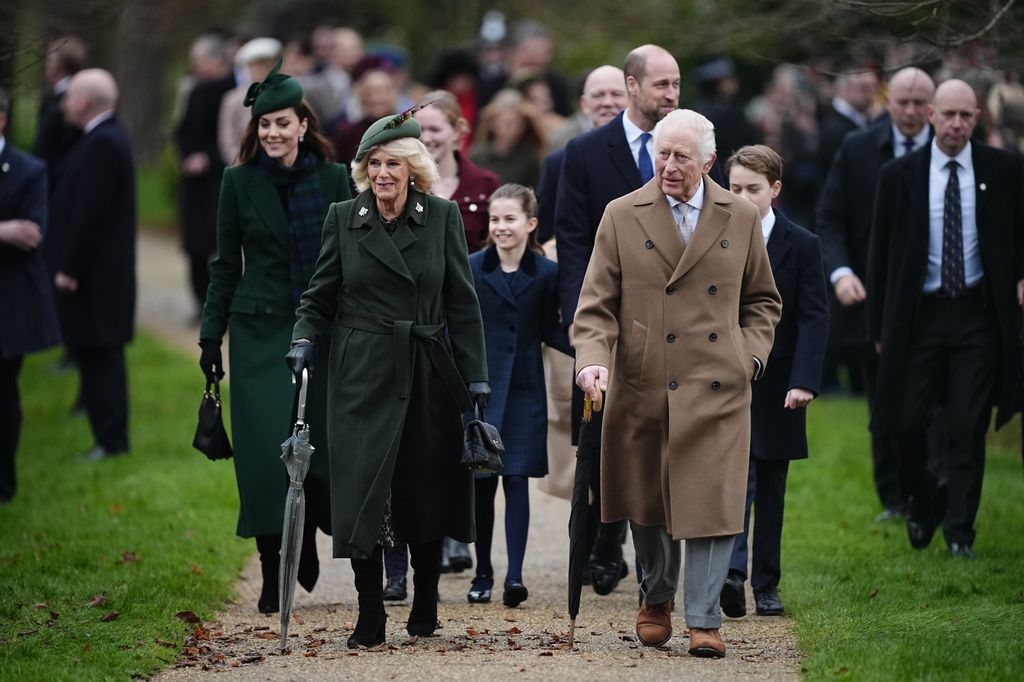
269 225
407 358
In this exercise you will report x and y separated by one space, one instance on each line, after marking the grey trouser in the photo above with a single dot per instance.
707 564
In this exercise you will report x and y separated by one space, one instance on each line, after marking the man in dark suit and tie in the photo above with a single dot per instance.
28 319
93 255
946 278
65 57
845 210
600 166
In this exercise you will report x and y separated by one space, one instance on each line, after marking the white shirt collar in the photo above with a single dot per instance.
847 110
940 159
61 85
98 119
768 224
633 131
696 202
919 140
3 144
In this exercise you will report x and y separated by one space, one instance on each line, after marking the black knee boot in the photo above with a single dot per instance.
426 571
370 586
309 562
270 563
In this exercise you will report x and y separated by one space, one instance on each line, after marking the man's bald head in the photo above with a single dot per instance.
604 94
90 93
954 114
910 94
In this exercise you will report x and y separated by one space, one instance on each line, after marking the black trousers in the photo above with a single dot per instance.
766 492
953 362
105 394
10 424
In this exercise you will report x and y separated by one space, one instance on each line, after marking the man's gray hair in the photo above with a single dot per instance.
687 119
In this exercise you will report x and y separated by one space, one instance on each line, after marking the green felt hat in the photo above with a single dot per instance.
275 92
393 127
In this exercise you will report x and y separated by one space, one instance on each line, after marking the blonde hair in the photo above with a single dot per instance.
423 170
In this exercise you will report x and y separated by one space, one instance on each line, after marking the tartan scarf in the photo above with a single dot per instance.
306 209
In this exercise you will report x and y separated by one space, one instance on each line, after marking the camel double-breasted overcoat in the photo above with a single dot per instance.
680 329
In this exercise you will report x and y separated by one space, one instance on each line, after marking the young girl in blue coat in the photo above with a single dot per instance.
518 291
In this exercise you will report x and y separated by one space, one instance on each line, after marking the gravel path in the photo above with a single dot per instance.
475 642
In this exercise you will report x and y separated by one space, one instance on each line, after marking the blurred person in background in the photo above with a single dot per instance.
529 54
717 98
510 139
258 57
65 57
374 86
457 71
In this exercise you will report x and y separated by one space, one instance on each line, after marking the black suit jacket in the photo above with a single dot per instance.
54 137
547 194
831 132
898 261
800 339
28 318
93 238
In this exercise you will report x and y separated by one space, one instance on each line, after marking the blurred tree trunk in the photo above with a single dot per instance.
141 63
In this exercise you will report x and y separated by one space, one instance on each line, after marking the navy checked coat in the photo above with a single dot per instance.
519 315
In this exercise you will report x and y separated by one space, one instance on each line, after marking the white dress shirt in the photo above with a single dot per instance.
767 225
633 133
96 120
899 149
3 143
847 110
938 176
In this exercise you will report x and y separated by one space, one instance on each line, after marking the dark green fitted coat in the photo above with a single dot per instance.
396 385
250 296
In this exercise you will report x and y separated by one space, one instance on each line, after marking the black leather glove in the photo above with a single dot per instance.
480 392
210 360
300 357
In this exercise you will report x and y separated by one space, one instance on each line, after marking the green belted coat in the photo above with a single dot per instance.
407 337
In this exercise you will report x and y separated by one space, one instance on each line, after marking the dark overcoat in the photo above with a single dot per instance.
799 348
92 238
518 317
407 337
898 264
28 315
473 196
250 295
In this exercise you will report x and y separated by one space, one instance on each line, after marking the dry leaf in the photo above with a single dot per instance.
298 619
187 616
107 617
116 508
128 557
164 642
265 635
310 654
197 569
54 615
85 647
98 600
472 633
546 653
42 605
510 619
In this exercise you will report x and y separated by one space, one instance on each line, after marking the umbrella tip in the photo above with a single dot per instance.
572 632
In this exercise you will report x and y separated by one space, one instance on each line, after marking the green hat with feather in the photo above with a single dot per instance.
275 92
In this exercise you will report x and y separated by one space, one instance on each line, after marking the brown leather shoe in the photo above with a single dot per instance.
654 623
706 643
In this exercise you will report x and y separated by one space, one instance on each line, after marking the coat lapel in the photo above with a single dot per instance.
657 223
526 274
620 154
376 240
713 219
264 197
778 244
494 277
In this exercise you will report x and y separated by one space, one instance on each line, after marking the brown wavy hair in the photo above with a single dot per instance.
313 141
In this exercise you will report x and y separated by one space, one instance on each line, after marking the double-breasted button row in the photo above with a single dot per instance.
715 385
712 337
672 385
712 290
670 290
671 338
648 244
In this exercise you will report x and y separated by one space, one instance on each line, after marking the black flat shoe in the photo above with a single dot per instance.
268 601
395 590
734 598
768 603
423 615
515 593
369 630
480 590
920 532
606 574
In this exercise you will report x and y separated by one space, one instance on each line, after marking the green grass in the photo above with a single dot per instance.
66 537
156 189
867 606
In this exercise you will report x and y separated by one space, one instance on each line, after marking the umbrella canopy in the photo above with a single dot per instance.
296 453
579 511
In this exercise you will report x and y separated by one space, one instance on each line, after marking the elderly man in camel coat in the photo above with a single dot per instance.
680 303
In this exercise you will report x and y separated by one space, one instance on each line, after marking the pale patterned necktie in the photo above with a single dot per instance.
685 229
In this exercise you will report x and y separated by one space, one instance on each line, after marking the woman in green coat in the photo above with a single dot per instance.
269 225
407 358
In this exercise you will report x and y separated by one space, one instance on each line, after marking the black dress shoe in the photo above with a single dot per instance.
480 590
459 559
605 574
961 550
515 593
395 590
891 514
268 601
768 602
734 598
920 532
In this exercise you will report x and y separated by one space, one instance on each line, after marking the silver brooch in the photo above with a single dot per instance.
419 207
982 187
363 211
6 167
472 207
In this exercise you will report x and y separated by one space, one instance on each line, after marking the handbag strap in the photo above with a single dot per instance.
478 410
216 388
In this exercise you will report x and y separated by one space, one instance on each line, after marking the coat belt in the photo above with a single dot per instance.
404 332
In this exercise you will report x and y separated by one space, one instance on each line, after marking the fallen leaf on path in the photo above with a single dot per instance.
107 617
510 619
266 635
98 600
513 631
310 654
546 653
187 616
298 619
164 642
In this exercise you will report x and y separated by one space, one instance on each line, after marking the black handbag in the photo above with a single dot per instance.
481 446
211 439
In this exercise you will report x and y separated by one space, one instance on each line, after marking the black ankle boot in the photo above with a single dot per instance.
426 566
369 579
270 565
309 562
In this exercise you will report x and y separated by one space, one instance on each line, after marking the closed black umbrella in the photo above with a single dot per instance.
587 457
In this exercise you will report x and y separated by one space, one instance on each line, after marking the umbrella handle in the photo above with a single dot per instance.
300 414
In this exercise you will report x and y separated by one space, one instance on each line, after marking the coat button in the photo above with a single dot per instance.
268 310
472 207
725 243
670 290
672 385
712 290
712 337
648 244
715 385
671 338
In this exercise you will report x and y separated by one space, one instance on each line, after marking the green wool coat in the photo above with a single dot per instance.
407 336
250 296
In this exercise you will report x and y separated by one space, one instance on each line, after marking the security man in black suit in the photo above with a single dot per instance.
600 166
946 283
92 253
28 318
845 210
